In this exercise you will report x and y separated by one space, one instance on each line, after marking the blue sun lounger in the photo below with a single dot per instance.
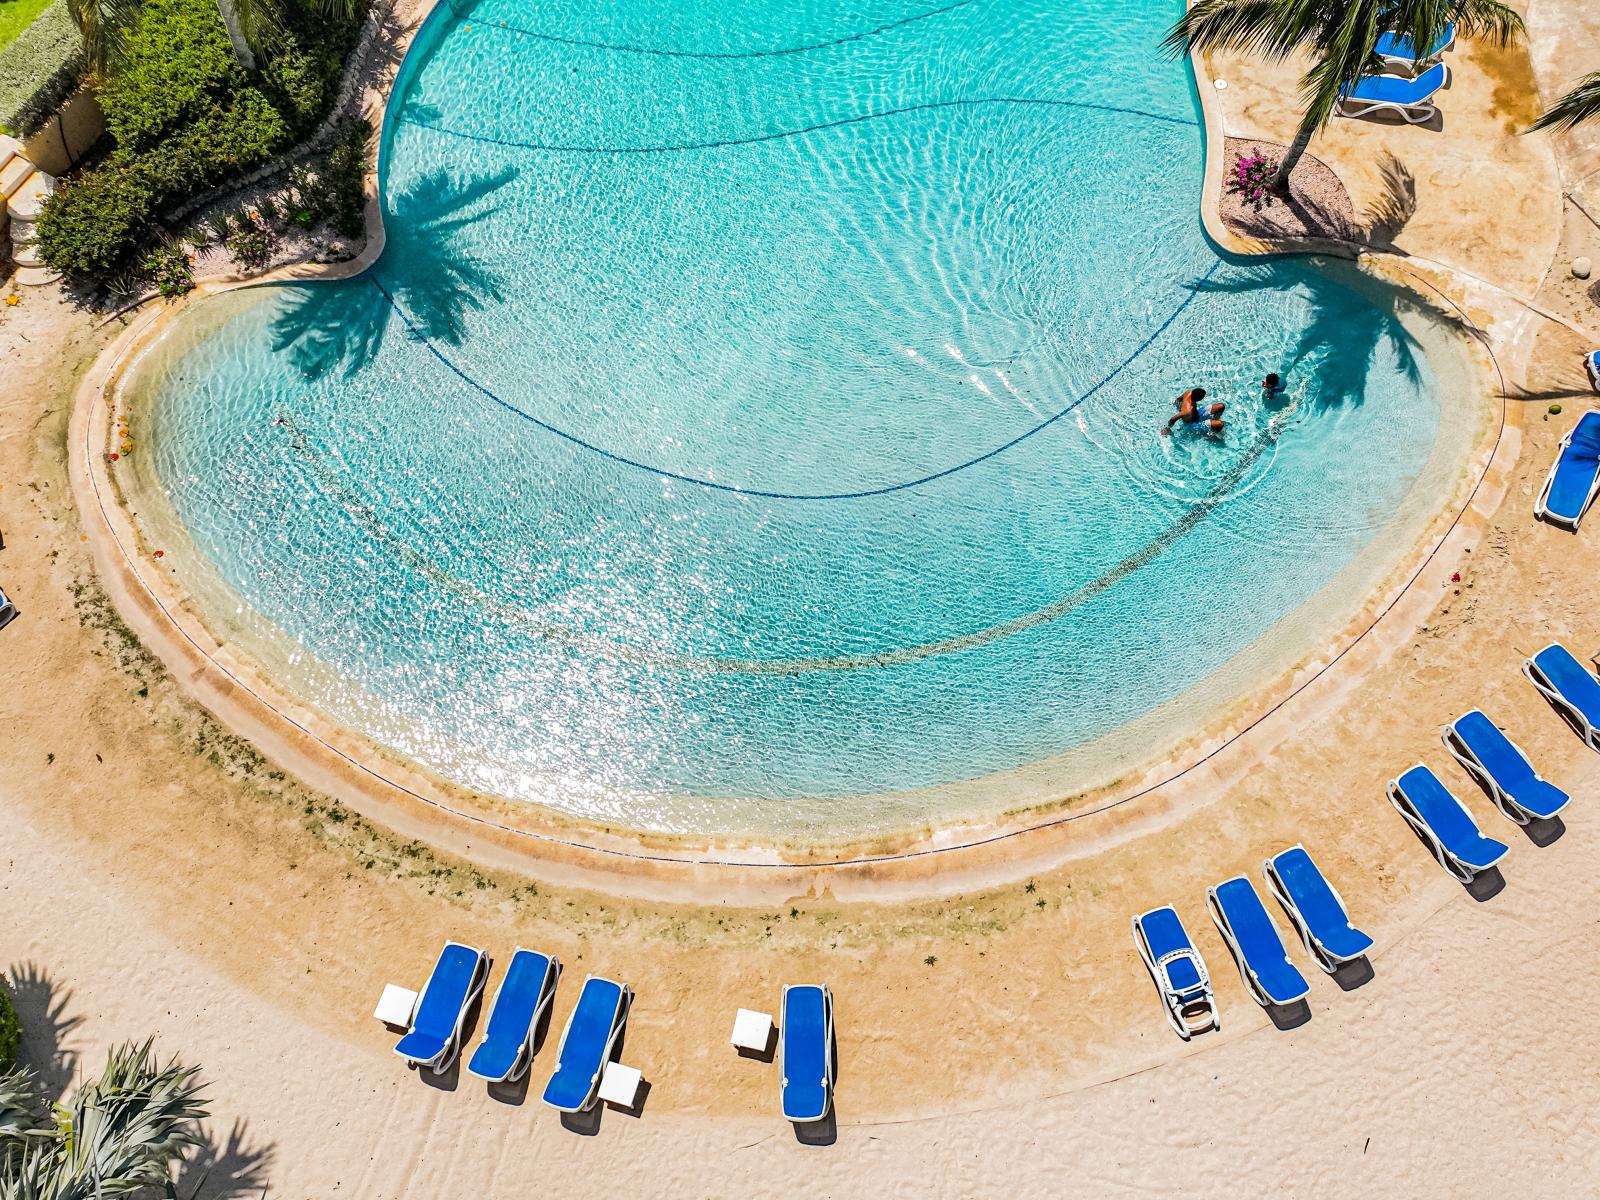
1499 764
1411 99
1574 477
1315 909
435 1036
1178 971
805 1052
524 994
1568 685
586 1044
8 611
1591 364
1397 51
1444 823
1254 943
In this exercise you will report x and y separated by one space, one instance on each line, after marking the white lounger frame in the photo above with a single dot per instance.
1540 504
1245 973
8 611
1498 795
1169 998
1418 65
1579 722
525 1055
1413 114
827 1040
1462 873
442 1062
1319 953
611 1042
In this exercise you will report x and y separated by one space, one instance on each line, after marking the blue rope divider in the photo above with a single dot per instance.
724 143
627 48
418 336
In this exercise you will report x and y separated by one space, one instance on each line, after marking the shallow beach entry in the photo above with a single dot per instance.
752 425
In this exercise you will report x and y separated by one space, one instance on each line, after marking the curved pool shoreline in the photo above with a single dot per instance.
381 787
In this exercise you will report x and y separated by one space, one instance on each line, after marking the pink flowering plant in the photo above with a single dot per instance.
1252 176
170 269
251 245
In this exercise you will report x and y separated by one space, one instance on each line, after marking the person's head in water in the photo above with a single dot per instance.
1272 383
1199 395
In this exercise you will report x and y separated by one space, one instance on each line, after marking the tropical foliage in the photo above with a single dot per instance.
119 1135
185 116
1582 103
10 1028
1339 36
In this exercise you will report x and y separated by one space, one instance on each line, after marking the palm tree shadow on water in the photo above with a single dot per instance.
433 277
1342 352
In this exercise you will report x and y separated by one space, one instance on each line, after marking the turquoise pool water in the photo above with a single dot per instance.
755 411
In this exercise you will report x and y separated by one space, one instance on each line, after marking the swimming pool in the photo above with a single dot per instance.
752 423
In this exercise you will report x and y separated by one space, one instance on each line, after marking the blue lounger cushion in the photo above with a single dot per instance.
1457 833
1164 934
456 979
807 1079
1398 47
586 1045
1568 683
1253 938
1396 89
523 994
1177 970
1571 484
1315 907
1509 771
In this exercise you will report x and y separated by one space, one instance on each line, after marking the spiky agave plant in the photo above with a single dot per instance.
1582 103
120 1134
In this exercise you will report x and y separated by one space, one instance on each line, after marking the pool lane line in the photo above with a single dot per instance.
762 494
489 22
653 657
780 134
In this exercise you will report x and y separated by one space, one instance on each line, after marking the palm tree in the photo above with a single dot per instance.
121 1133
250 24
1339 35
103 25
1580 104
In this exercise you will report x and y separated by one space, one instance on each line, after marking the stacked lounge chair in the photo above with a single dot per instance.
435 1036
1253 940
1499 764
805 1052
1574 477
524 994
1398 53
1408 97
1444 824
1569 686
1591 364
1315 909
1177 970
586 1044
8 611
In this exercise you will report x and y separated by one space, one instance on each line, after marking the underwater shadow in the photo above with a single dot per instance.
341 326
1339 352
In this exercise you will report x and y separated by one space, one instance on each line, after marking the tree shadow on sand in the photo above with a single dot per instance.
231 1168
341 326
41 1005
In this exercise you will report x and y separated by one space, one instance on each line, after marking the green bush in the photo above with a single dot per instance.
89 226
39 70
178 65
10 1028
345 175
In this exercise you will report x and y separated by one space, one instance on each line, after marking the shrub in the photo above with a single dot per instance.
87 227
345 176
252 246
1252 176
39 70
10 1029
179 65
170 269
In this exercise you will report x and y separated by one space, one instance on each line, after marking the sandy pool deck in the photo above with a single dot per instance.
160 877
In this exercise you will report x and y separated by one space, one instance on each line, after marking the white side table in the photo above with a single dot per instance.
752 1030
396 1006
620 1085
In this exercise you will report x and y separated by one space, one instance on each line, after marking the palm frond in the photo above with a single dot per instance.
103 25
1582 103
1487 21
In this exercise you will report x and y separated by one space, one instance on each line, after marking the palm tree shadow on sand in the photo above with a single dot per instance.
1341 352
341 326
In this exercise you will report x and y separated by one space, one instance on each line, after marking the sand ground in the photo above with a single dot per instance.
158 876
